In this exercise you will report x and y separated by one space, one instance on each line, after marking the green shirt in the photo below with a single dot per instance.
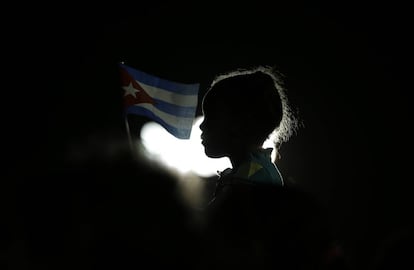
258 168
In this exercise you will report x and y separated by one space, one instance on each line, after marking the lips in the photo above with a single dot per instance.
203 139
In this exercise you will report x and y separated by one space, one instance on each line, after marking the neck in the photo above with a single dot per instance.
241 155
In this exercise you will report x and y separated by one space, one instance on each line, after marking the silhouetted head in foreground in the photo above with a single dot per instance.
241 110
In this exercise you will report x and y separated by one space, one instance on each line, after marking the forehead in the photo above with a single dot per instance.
213 101
223 95
211 106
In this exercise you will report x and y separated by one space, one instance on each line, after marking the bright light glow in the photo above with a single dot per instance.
270 143
185 156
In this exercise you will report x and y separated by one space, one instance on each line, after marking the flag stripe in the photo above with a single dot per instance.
174 109
171 104
170 97
172 120
149 80
141 109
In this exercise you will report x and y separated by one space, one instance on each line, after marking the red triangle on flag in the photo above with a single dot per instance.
133 92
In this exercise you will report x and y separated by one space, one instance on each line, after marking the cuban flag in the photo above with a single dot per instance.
173 105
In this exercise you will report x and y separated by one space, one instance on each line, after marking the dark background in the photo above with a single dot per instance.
347 67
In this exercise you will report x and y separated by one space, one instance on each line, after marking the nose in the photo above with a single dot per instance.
202 125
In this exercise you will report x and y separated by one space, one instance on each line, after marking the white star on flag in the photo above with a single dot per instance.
130 90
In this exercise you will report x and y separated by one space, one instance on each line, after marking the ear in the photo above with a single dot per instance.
240 128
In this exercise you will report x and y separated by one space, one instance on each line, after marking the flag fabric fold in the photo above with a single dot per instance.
171 104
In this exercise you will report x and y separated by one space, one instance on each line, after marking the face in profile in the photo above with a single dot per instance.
217 132
240 111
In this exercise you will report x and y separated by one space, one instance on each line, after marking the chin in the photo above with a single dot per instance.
213 154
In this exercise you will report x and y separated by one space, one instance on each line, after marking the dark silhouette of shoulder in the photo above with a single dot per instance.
267 226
